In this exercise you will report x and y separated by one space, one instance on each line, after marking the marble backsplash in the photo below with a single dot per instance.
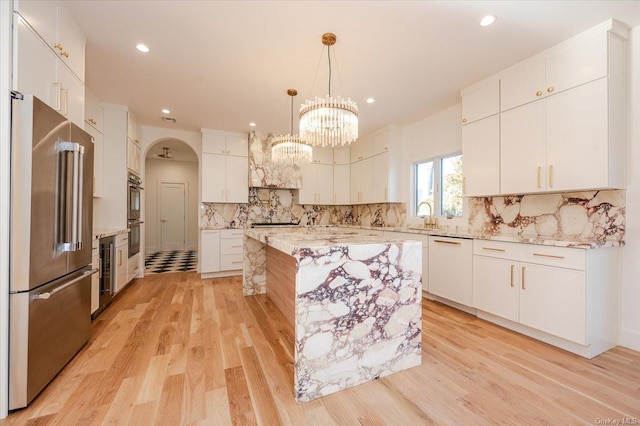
589 215
279 206
265 173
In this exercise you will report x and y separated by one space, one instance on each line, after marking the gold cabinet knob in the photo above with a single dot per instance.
539 93
464 120
92 121
58 46
549 89
65 54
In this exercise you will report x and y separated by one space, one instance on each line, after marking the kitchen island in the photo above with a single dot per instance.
354 302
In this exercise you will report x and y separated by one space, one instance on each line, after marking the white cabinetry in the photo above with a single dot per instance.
210 252
481 161
450 269
49 57
222 252
93 124
564 296
317 184
480 100
122 265
133 268
342 184
377 167
225 167
133 156
231 249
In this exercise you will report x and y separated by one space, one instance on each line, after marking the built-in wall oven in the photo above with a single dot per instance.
134 188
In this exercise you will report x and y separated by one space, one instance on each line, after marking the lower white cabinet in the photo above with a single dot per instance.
450 269
210 252
122 265
424 239
133 268
231 249
95 278
222 252
564 296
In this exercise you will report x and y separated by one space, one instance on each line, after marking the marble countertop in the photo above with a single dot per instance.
292 239
326 235
101 233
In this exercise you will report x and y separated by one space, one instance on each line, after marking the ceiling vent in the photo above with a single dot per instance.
168 119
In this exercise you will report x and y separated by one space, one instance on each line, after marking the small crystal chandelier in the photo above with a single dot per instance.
290 148
329 121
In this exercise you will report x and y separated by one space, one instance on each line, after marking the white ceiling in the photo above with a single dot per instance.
223 64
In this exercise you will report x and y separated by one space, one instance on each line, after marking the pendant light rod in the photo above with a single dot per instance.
329 39
292 93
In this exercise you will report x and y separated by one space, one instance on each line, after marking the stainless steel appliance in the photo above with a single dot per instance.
134 184
107 278
51 231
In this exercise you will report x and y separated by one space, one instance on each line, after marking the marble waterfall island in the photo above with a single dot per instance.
354 302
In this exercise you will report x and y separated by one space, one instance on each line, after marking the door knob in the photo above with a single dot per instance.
163 221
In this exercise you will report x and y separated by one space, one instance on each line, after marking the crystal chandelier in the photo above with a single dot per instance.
290 148
329 121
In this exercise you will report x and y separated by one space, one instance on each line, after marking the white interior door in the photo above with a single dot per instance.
172 216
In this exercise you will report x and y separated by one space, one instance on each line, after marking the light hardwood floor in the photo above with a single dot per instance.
174 349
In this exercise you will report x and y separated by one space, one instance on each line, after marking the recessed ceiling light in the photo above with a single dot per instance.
252 124
166 111
142 47
370 100
487 20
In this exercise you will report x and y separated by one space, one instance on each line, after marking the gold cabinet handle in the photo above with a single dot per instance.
512 268
119 257
549 89
58 46
548 255
236 246
492 249
464 185
551 176
464 120
539 93
386 194
457 243
539 172
65 54
524 287
92 121
238 261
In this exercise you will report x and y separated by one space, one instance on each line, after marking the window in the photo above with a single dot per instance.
438 187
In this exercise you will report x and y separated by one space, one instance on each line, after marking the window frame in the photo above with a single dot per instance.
437 190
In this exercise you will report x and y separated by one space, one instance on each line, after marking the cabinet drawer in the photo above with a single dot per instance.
230 262
134 267
122 239
424 239
553 256
232 233
498 249
231 246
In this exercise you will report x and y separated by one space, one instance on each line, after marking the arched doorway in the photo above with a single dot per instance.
171 207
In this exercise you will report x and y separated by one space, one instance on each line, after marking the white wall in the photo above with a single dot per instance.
156 172
430 137
5 114
630 294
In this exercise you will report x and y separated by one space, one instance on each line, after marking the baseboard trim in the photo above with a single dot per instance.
221 274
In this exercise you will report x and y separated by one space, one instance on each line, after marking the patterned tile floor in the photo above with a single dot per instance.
170 261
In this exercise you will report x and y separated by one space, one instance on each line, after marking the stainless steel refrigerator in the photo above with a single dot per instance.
51 231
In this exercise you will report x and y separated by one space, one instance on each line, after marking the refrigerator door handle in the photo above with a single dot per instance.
75 200
47 294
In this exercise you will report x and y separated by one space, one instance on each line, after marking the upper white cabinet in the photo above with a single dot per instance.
481 165
133 156
377 167
577 61
481 100
317 184
562 120
225 167
226 143
342 184
38 69
322 155
341 155
92 110
58 30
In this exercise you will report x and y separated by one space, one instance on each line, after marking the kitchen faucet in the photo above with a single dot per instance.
429 221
